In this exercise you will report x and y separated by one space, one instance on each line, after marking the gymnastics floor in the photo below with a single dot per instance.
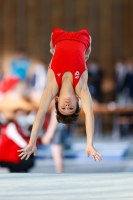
107 186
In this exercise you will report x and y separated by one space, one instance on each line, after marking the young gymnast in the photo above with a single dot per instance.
66 82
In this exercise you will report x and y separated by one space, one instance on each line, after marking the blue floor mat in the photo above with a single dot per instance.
113 150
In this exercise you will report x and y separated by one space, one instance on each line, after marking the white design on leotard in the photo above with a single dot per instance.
77 74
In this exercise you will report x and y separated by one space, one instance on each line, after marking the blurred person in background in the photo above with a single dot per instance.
37 80
120 75
20 65
17 74
124 92
14 134
128 91
56 135
94 79
128 82
124 81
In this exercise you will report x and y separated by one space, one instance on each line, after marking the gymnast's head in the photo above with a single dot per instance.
67 108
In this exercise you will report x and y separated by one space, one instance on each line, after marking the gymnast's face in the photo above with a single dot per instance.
67 105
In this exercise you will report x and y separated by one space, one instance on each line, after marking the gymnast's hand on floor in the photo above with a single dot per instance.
27 151
91 151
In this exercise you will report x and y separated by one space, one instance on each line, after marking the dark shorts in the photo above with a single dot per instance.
60 135
23 166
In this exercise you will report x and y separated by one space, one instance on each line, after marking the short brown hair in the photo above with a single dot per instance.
67 119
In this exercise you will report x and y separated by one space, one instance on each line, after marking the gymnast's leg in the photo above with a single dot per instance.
57 157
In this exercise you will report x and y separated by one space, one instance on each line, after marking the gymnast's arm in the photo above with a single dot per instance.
49 93
89 122
45 101
52 126
88 110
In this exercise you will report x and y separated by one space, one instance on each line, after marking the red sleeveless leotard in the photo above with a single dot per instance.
69 55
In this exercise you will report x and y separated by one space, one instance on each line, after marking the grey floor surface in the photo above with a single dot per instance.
113 186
